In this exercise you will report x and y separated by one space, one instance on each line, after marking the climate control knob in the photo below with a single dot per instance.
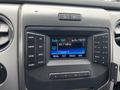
3 73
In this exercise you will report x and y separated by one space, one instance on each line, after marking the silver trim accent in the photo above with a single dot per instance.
69 72
9 57
115 17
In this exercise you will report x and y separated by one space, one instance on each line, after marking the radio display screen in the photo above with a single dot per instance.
68 47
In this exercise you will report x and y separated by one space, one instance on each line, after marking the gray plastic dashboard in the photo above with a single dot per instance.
87 3
25 13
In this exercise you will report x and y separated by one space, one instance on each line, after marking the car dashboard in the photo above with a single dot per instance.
59 45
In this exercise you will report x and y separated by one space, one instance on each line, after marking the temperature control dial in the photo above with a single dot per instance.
3 73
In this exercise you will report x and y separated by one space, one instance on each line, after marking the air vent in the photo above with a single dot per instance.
6 33
117 33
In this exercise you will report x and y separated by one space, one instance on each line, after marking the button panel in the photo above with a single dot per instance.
35 49
101 48
68 75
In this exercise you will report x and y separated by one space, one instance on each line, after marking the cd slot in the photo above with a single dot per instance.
68 75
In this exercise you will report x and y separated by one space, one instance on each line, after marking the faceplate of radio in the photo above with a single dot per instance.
44 45
65 53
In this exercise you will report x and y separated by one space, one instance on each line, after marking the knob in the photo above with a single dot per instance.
3 73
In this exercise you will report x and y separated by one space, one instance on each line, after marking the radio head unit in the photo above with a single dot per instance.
54 55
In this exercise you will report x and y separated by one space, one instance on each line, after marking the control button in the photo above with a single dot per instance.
72 56
105 47
30 36
97 52
40 46
103 58
105 42
104 52
63 56
31 46
40 54
40 57
30 39
55 56
40 62
31 56
40 38
31 65
96 47
98 57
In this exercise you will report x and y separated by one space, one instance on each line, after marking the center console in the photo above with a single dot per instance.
59 45
65 48
61 56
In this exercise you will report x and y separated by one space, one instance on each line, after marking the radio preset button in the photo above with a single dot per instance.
30 39
40 39
40 62
31 46
97 57
40 54
31 56
40 46
31 65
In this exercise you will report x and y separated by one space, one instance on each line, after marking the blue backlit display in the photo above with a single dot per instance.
68 47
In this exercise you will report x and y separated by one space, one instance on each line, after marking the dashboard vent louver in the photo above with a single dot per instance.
6 32
117 33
